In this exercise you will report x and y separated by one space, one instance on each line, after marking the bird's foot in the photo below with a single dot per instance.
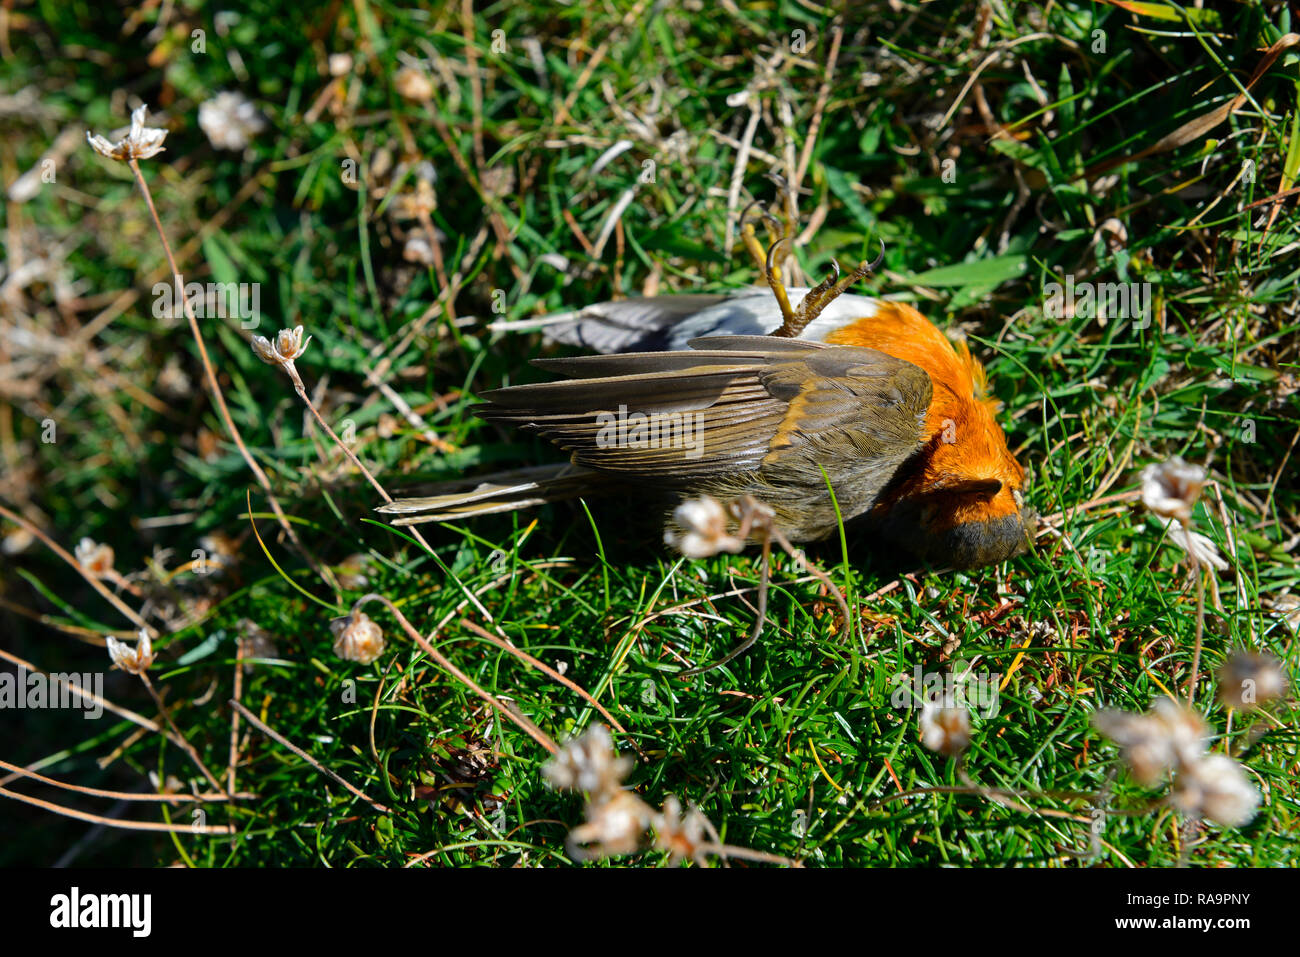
766 259
823 294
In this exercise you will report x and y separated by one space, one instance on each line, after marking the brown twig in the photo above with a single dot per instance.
213 385
302 394
112 822
765 572
533 731
823 93
281 739
301 389
180 739
123 795
550 673
801 561
138 719
726 851
94 582
234 716
1199 570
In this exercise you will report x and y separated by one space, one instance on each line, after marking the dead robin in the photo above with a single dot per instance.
747 394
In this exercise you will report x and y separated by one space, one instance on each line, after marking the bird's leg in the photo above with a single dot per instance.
824 293
748 235
813 299
766 261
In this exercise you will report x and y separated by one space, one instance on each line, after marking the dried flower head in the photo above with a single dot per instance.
1287 608
16 541
219 550
94 558
588 763
357 638
417 249
288 346
703 524
352 572
1170 489
419 202
1173 737
613 826
1248 679
498 181
141 142
173 381
1216 788
1201 548
413 84
1166 737
945 725
230 120
134 660
682 837
254 642
169 785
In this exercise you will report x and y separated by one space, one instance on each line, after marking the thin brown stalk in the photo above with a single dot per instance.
1086 506
822 576
633 15
234 717
213 385
88 635
301 389
439 264
475 81
550 672
1199 570
113 822
823 93
123 795
81 692
726 851
94 582
525 723
180 739
281 739
738 171
1007 794
765 572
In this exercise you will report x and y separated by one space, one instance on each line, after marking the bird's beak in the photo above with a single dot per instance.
924 528
972 544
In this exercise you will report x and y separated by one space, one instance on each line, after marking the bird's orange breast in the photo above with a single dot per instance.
963 441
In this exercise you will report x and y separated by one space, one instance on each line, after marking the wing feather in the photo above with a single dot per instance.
757 413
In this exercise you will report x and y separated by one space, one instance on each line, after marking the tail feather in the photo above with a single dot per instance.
491 494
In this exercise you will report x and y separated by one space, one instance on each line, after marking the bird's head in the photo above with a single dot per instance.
961 499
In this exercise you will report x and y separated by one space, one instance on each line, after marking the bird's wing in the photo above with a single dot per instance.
730 405
488 494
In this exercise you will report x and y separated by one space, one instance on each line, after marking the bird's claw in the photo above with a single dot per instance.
823 294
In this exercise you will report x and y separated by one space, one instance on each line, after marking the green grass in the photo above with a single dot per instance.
791 748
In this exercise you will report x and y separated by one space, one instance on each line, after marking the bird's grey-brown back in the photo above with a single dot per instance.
767 417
